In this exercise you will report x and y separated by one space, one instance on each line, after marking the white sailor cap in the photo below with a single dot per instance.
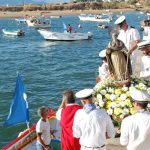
102 53
143 44
120 20
138 95
84 93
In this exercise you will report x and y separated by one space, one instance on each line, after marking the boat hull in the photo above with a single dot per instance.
56 36
12 32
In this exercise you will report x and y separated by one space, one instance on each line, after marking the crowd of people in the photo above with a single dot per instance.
87 127
122 52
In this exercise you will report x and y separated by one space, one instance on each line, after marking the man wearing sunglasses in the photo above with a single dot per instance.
130 37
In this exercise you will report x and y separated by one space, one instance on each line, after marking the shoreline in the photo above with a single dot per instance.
22 14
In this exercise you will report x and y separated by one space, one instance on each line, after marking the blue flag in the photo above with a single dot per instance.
18 112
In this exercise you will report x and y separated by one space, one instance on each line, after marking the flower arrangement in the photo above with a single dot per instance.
116 100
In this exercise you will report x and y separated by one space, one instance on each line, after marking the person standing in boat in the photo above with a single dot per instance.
130 37
135 129
92 125
66 114
69 28
43 130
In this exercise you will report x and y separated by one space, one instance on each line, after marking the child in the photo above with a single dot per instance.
43 130
103 68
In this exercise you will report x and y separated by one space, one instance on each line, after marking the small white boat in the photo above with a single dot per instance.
20 20
37 23
95 18
55 17
27 139
66 36
18 32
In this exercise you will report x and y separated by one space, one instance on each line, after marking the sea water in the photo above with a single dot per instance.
48 68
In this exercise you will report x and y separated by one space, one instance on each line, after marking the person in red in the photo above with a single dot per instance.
69 28
66 114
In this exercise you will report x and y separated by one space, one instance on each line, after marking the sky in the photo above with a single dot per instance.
17 2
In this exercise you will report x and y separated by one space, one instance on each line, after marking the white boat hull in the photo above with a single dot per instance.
12 32
37 25
56 36
89 18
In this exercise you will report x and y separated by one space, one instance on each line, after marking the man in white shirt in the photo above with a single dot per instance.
130 37
91 124
145 62
135 129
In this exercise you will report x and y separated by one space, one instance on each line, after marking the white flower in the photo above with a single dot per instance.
112 97
113 104
111 90
142 86
101 103
99 97
103 92
110 111
124 88
148 90
123 97
125 111
122 103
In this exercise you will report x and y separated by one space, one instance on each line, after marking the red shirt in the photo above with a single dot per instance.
68 142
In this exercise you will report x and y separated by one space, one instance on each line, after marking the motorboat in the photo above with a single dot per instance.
101 26
37 23
18 32
64 36
95 18
27 139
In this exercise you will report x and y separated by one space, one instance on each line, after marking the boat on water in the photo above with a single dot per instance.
18 32
37 23
101 26
64 36
95 18
27 139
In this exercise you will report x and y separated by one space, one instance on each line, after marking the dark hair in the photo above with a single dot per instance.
143 104
120 25
41 111
69 96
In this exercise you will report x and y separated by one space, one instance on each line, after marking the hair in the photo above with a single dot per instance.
69 96
41 111
142 104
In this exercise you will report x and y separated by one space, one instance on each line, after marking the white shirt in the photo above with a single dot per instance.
103 71
135 131
145 66
128 37
91 128
44 128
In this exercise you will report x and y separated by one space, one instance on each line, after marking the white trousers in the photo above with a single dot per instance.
86 148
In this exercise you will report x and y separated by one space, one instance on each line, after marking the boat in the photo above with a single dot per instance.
101 26
65 36
20 20
27 139
18 32
95 18
55 17
19 113
37 23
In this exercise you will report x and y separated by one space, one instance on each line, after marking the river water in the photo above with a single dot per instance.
48 68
